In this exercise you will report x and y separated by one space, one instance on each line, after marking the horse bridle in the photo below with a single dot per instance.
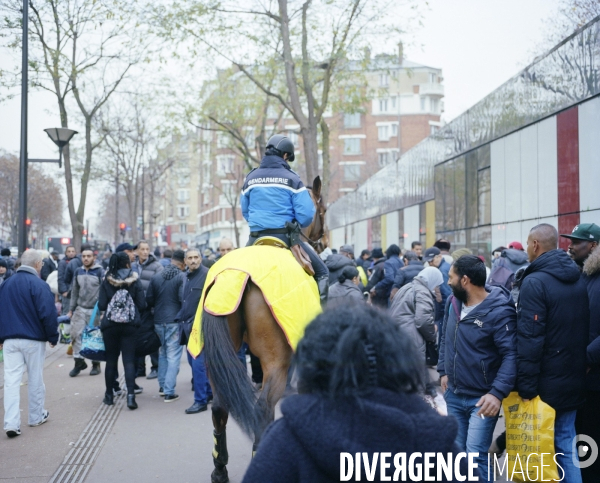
320 232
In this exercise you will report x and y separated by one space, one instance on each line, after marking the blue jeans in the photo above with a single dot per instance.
169 356
474 434
202 389
21 355
564 434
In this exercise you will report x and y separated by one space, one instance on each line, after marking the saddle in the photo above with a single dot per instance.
293 230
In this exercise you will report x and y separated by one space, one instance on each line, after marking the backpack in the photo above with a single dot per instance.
121 308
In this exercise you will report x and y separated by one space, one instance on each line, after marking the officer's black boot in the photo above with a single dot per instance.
323 284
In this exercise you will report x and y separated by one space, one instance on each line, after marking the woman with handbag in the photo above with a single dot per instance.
121 298
414 309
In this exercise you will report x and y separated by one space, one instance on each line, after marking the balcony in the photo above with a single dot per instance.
431 89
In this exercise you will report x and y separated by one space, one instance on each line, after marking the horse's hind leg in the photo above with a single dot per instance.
268 342
220 454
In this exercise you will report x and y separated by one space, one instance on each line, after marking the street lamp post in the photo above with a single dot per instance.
60 137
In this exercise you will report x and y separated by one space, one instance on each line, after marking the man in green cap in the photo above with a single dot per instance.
584 251
584 239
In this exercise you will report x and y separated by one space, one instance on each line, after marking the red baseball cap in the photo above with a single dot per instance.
516 245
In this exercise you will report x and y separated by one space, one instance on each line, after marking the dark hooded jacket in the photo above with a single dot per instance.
70 271
406 274
165 294
504 269
336 263
63 286
376 276
478 353
48 267
553 332
128 280
345 293
304 445
591 271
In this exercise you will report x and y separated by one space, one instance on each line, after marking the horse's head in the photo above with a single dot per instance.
315 232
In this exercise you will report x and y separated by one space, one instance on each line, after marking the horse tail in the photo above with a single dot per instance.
230 380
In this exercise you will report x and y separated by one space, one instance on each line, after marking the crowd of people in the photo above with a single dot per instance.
527 323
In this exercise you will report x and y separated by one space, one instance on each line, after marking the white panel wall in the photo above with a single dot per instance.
529 172
590 217
547 168
360 241
337 237
589 155
411 224
512 178
497 184
392 228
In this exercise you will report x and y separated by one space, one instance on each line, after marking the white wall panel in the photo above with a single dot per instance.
411 224
360 241
589 155
513 232
498 181
512 173
529 172
547 168
392 228
590 217
526 227
337 237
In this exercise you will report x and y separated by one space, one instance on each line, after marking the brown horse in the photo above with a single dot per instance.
253 323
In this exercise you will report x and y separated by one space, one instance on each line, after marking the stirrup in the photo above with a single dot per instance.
270 241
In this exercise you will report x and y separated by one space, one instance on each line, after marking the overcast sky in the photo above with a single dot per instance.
479 44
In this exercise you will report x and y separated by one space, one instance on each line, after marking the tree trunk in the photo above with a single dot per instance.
311 153
326 161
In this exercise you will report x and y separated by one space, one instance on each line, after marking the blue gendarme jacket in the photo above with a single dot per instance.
27 308
273 194
479 352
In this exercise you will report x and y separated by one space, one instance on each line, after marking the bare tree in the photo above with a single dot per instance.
79 48
45 206
307 46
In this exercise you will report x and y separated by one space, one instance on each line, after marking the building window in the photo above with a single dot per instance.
383 133
435 105
352 172
423 103
293 136
184 211
183 228
433 129
352 121
432 78
393 102
352 146
222 140
394 129
224 164
183 195
384 80
383 158
383 105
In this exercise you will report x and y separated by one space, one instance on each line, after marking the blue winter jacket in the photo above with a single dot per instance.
27 308
273 194
553 332
390 269
478 353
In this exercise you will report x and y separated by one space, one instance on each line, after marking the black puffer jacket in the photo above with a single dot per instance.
380 299
126 279
553 319
591 270
147 270
165 294
62 269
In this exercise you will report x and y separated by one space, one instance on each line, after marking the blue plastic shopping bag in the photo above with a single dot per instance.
92 343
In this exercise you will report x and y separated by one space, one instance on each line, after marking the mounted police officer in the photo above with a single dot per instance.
274 195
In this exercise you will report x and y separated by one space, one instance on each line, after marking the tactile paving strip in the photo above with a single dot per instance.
82 455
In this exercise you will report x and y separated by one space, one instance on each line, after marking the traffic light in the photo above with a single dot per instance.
28 222
122 227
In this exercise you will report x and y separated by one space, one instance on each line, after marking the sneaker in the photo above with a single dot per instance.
171 397
44 419
161 391
153 374
11 433
137 389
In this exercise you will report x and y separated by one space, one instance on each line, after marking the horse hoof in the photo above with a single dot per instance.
219 476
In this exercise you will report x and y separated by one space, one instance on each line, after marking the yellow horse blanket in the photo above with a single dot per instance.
290 293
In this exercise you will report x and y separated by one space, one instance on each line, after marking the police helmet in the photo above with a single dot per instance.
280 144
